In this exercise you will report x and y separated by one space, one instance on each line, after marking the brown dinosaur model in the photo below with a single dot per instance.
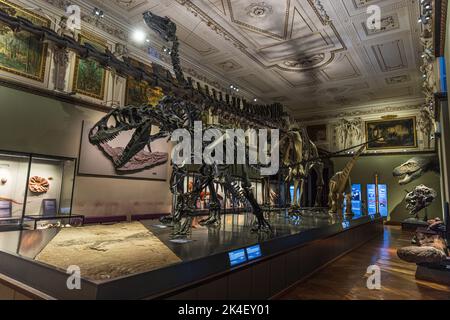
339 183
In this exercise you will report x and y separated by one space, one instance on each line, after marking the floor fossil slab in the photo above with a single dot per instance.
107 251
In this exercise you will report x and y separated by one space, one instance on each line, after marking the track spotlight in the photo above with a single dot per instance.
139 36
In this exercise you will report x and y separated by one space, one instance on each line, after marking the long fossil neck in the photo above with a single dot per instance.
175 57
349 166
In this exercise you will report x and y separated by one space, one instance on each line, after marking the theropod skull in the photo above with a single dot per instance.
419 198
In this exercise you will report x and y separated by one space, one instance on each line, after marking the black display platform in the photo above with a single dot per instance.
439 275
411 224
205 260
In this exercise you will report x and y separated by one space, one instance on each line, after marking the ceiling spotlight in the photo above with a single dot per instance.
139 36
147 40
98 13
255 100
231 87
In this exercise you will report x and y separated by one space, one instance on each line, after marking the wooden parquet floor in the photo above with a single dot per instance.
345 279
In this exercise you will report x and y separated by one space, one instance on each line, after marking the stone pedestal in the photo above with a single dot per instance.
439 275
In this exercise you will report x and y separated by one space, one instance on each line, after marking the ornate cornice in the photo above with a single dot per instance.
440 27
100 24
366 111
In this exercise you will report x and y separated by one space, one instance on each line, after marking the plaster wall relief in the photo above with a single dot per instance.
348 133
116 96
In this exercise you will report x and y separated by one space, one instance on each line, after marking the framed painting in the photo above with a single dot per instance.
22 53
136 93
317 133
140 92
89 77
397 133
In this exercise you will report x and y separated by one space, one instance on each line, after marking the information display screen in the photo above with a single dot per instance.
382 200
237 257
254 252
346 224
371 199
356 199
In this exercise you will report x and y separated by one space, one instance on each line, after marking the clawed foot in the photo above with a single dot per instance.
210 222
261 227
179 236
166 219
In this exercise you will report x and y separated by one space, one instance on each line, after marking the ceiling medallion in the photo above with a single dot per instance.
259 10
305 62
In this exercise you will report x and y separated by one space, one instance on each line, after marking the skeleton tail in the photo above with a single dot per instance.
236 192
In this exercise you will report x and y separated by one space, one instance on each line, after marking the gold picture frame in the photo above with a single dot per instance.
396 133
140 92
24 51
89 78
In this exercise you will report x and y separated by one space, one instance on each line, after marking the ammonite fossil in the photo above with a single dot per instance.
38 184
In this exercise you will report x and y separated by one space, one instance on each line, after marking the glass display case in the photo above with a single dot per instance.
34 187
227 203
13 182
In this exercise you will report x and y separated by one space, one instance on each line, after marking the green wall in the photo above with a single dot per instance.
364 173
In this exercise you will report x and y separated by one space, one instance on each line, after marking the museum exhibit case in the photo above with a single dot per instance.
230 160
35 188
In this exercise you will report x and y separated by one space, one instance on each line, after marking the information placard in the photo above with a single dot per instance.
382 200
371 199
254 252
237 257
356 199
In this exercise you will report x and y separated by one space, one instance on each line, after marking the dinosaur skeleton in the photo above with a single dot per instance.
169 114
340 182
181 106
302 157
231 109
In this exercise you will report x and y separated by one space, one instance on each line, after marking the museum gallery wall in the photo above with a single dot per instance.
46 126
364 173
409 131
49 127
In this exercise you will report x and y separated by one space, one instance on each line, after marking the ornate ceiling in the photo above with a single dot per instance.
308 54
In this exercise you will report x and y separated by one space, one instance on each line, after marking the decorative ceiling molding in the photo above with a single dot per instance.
100 24
374 110
320 10
307 66
216 27
258 11
197 12
388 23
